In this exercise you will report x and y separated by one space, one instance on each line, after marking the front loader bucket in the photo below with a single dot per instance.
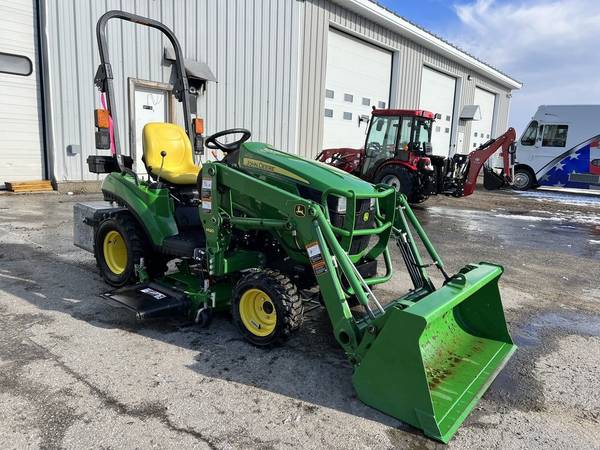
431 362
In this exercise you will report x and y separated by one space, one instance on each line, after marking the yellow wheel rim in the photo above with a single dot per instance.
257 312
115 252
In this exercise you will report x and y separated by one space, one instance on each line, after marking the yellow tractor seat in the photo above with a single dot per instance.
179 167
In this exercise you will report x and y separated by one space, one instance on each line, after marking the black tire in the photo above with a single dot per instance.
402 179
282 295
136 246
524 179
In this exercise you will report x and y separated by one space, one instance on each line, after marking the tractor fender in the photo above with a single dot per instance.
395 162
152 209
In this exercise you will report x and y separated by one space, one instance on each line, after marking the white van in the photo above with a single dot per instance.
560 147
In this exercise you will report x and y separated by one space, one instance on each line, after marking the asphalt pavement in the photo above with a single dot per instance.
77 372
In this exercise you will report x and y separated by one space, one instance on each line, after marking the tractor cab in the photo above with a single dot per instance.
394 134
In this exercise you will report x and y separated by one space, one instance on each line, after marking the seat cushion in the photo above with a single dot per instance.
179 167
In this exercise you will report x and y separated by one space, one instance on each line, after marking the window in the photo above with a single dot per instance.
555 136
438 129
447 130
381 140
347 116
15 64
530 134
366 101
475 134
329 93
328 112
448 118
349 98
381 105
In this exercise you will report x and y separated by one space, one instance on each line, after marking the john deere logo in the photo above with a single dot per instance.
300 210
366 217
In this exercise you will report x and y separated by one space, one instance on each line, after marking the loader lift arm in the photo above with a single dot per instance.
425 357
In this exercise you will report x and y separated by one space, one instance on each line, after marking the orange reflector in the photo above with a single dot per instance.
199 126
102 118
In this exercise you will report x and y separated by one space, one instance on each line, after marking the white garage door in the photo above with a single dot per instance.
438 92
358 77
20 124
481 130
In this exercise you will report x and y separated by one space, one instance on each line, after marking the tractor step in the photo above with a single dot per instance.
149 300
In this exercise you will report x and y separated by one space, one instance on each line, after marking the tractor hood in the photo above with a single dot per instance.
263 160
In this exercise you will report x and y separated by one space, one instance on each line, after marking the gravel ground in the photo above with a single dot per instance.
76 372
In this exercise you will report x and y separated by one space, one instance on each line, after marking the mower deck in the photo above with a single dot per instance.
148 300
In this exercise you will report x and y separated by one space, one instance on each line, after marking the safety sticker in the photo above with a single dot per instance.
207 204
207 184
316 258
157 295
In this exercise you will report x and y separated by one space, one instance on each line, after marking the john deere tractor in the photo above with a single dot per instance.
253 233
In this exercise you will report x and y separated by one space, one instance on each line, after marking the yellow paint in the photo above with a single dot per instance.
115 252
178 167
261 165
257 312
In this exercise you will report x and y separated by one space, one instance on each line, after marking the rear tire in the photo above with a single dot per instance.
524 179
266 307
120 244
402 180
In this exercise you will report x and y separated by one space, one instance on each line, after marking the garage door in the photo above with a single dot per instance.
358 77
481 130
20 125
438 92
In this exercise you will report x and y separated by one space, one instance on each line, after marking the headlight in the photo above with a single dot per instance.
340 206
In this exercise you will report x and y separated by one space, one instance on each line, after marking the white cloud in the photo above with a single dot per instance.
549 45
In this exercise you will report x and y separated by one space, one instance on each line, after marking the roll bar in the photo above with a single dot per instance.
104 74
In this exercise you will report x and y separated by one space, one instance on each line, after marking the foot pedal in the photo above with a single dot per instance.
149 300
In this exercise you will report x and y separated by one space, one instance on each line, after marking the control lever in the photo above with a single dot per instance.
162 163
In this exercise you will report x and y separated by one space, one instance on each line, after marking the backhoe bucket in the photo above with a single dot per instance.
432 361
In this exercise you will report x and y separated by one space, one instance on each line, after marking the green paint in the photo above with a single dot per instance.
425 358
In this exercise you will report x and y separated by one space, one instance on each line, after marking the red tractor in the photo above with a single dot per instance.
398 152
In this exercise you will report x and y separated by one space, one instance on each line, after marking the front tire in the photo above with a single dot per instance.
266 307
523 179
402 180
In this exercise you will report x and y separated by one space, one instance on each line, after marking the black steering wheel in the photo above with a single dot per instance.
372 149
212 143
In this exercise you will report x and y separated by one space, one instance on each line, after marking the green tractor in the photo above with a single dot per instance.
255 233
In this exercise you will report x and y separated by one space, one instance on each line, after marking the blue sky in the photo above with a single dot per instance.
549 45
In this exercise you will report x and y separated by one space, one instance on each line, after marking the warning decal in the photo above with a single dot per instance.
316 258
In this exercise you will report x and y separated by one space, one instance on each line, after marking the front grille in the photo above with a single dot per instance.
363 211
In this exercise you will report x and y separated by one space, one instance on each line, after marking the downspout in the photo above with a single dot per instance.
45 96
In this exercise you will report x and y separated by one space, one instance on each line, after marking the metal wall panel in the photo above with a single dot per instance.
250 45
319 15
269 57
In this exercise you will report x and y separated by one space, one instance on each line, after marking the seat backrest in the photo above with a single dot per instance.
171 138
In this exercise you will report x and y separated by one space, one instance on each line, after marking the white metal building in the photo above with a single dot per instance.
300 74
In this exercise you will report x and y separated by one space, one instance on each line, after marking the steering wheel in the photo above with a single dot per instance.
372 149
212 143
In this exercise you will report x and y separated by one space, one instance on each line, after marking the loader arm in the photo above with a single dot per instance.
424 357
478 157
